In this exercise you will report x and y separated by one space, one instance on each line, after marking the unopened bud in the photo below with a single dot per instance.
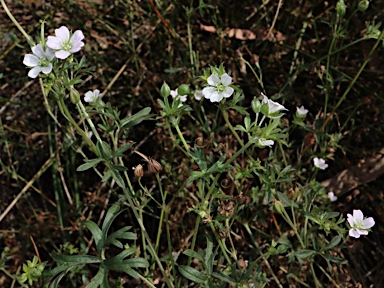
278 207
183 89
165 91
74 96
154 167
340 8
363 5
256 105
138 171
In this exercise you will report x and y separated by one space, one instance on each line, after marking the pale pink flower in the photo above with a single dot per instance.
39 61
320 163
64 43
332 196
92 96
359 225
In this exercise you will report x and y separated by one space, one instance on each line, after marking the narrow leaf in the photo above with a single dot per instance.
192 274
89 164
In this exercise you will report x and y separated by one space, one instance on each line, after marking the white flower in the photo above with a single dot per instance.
272 105
301 111
320 163
264 142
332 196
64 44
359 225
198 95
175 95
92 96
219 87
40 60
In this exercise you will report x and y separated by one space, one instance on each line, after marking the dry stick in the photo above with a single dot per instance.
165 22
275 19
35 247
15 95
29 184
115 78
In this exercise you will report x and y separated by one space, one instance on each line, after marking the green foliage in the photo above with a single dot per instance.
102 239
32 271
237 196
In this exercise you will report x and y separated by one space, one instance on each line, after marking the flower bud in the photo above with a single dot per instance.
278 207
138 171
154 167
165 91
363 5
256 105
74 96
340 8
183 90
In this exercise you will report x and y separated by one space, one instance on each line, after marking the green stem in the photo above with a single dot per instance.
163 207
196 230
219 240
146 281
223 111
176 125
151 249
27 37
317 283
342 98
262 255
293 226
64 110
86 115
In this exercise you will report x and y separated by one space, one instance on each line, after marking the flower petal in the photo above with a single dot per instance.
96 92
38 51
228 91
213 80
88 97
34 72
274 106
358 216
216 97
351 220
265 142
62 33
54 43
49 53
265 98
354 233
76 39
226 79
47 70
208 91
362 232
183 98
31 60
76 47
174 93
77 36
368 223
62 54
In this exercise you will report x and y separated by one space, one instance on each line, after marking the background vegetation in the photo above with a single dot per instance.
283 50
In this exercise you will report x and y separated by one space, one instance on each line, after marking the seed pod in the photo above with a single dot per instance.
138 171
154 167
199 142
